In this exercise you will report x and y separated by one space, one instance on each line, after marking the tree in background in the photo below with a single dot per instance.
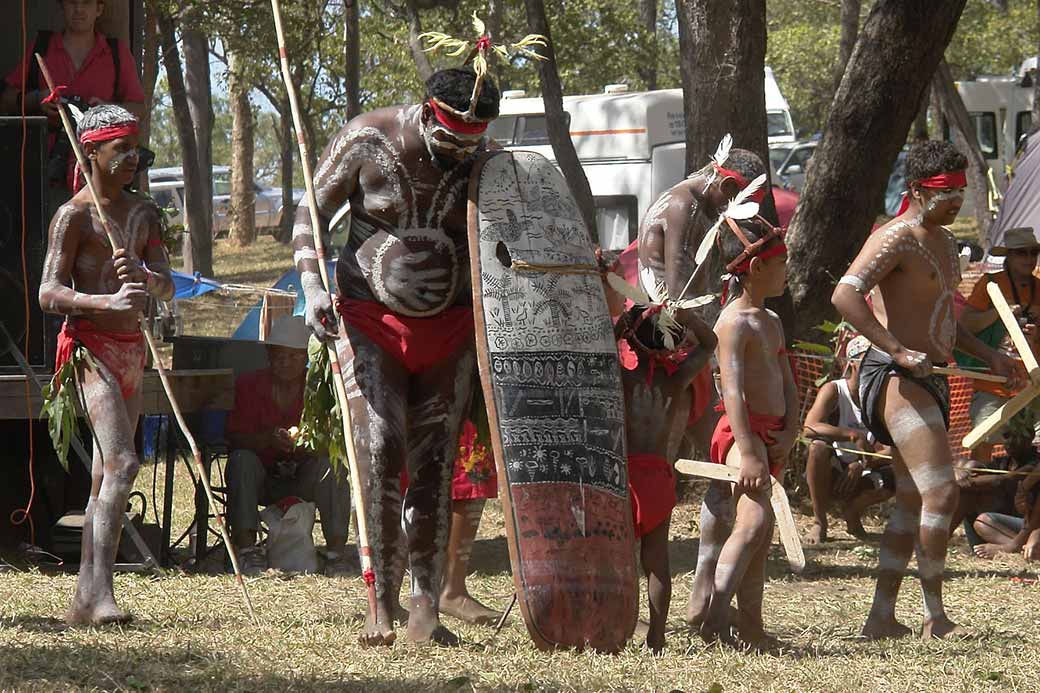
899 48
243 195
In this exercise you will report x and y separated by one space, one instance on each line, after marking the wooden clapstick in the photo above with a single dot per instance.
975 375
1000 417
1007 316
778 499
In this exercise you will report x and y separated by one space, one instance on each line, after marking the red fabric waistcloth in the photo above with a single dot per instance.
702 387
122 353
761 425
651 487
416 343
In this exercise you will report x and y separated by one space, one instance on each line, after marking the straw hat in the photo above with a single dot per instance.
857 347
1016 239
288 331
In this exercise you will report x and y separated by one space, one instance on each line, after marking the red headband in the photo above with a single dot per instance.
944 180
756 196
745 264
453 122
742 263
109 133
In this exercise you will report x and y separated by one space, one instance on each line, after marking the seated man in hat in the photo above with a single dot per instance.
266 465
1022 291
834 469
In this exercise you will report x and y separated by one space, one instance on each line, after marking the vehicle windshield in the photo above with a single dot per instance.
777 156
776 124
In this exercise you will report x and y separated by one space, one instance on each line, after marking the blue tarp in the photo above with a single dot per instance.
189 286
290 281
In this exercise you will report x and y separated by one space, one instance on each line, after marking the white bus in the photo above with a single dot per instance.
632 145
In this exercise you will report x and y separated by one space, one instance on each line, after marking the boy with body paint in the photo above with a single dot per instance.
911 269
102 293
657 381
755 435
403 293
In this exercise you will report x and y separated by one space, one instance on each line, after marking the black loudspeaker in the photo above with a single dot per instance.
22 248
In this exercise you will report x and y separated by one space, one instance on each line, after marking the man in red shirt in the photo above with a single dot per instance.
82 60
266 465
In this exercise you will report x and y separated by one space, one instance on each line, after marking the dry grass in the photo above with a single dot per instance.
191 633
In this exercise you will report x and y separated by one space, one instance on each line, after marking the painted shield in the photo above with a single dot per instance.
552 384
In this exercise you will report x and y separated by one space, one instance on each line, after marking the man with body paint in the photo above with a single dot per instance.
758 427
102 293
408 347
910 268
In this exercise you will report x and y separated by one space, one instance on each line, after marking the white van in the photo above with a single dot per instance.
631 145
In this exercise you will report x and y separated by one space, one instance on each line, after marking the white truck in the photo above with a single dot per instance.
632 145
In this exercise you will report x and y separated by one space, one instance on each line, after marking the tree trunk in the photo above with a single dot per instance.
149 72
967 141
200 104
243 194
648 23
920 132
422 60
722 49
198 246
352 57
849 31
899 48
1036 75
288 147
557 122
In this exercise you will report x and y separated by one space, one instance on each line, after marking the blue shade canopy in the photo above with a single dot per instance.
290 281
190 286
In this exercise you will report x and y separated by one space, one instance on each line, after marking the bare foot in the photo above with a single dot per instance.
107 613
469 610
943 628
400 613
878 629
655 643
758 640
854 526
377 633
721 634
696 608
77 615
425 626
816 535
990 551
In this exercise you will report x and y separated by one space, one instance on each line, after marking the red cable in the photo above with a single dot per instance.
21 515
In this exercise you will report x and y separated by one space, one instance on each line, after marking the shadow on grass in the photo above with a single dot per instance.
92 666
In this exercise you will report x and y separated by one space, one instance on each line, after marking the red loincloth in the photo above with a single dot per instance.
474 475
416 343
122 353
651 487
761 425
703 388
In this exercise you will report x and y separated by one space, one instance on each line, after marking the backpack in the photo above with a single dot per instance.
43 40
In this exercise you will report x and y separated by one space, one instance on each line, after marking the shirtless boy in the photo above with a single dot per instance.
911 269
657 402
408 348
102 293
755 435
834 468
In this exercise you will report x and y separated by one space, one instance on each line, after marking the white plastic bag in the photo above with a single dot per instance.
290 543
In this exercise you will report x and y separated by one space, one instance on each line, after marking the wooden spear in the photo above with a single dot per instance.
81 159
337 377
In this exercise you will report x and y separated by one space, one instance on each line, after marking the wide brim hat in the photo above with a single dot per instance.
288 331
1016 239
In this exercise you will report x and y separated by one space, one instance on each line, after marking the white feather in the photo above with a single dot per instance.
722 153
742 211
77 115
707 242
633 293
647 280
747 192
688 303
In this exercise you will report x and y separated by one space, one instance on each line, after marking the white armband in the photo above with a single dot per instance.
855 282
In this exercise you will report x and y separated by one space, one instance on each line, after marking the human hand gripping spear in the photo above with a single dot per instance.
196 454
337 378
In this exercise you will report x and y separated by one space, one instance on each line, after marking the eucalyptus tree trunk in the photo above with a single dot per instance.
899 48
243 132
352 57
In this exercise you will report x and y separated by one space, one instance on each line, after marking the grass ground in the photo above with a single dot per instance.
191 632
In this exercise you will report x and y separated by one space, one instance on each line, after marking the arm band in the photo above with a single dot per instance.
855 282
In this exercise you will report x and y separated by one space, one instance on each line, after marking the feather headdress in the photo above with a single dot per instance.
481 50
656 300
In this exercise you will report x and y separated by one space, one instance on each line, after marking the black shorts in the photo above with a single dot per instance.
873 374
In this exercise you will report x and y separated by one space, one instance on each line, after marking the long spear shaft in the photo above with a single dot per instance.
81 159
337 377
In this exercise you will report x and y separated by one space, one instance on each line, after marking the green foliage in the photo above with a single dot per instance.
321 424
60 407
802 56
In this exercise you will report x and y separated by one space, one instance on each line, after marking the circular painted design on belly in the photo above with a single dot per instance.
415 272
